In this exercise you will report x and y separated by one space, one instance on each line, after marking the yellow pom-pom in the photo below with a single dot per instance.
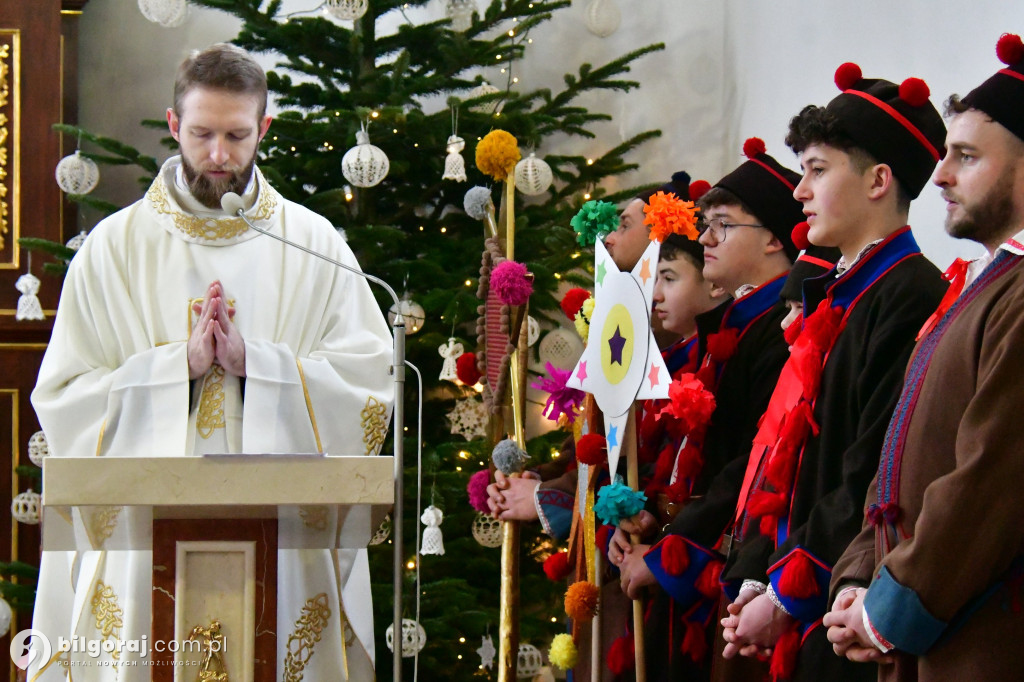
582 319
497 154
581 601
563 652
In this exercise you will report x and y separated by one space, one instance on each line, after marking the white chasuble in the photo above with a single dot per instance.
114 382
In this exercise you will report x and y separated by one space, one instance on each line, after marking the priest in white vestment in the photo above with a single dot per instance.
181 331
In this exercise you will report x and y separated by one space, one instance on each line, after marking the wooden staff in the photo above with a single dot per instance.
633 479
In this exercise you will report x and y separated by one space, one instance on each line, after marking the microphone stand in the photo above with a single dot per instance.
398 371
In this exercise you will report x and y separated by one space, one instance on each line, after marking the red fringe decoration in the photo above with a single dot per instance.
674 558
708 581
573 301
798 579
691 461
466 370
792 332
784 657
1009 49
847 75
753 146
914 92
764 503
557 567
695 644
767 525
706 376
621 654
590 449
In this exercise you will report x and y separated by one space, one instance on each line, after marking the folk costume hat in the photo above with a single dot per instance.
813 261
1002 95
896 124
681 186
766 187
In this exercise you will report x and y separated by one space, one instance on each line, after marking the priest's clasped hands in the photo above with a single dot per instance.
215 338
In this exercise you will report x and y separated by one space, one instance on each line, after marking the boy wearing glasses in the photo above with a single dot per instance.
747 251
865 156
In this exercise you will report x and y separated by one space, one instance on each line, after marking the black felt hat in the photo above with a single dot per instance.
678 185
814 261
681 186
896 124
766 187
1002 95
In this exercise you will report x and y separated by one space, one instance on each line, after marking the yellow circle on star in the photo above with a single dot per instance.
617 331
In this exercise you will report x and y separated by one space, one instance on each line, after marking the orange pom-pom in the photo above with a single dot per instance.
798 579
914 92
695 644
753 146
699 188
581 601
799 235
668 214
621 654
1009 49
674 558
556 566
708 581
847 75
573 301
784 657
591 449
466 369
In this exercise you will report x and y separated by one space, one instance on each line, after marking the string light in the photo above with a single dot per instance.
443 230
374 114
462 640
587 196
410 564
469 282
590 162
458 468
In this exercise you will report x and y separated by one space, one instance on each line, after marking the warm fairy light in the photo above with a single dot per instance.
530 41
460 657
511 33
515 79
458 468
374 114
554 619
590 162
587 196
410 564
462 640
503 70
293 148
463 454
421 228
275 138
416 144
575 255
443 230
558 275
498 57
395 131
469 282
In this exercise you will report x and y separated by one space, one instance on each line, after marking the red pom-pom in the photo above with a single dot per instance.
695 644
784 657
722 345
799 235
621 654
674 558
466 370
707 582
557 567
798 579
1009 49
753 146
764 503
768 525
699 188
914 92
573 301
847 76
602 537
591 449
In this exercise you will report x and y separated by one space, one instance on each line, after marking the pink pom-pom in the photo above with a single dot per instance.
799 235
847 75
477 489
699 188
753 146
914 92
509 281
1009 49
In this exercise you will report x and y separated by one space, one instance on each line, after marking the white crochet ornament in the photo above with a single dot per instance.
487 530
454 164
25 507
5 617
533 175
532 330
461 13
167 13
365 165
383 532
346 10
38 448
414 637
76 174
433 541
561 347
602 17
529 661
451 352
468 419
487 652
28 302
75 243
484 88
411 311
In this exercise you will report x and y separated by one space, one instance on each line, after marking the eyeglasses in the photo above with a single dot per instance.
719 228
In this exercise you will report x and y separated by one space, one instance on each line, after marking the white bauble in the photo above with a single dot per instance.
529 661
533 175
365 165
38 448
346 10
602 17
76 174
414 637
25 507
167 13
411 311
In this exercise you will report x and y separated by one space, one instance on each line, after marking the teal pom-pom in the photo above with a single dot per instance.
618 501
594 218
508 457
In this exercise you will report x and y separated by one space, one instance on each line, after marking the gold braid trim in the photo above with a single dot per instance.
211 403
308 629
210 228
108 614
375 425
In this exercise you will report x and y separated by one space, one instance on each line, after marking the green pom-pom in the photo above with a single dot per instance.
594 218
616 502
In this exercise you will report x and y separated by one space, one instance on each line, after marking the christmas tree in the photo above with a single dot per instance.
412 90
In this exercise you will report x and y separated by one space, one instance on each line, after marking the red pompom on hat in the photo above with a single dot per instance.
1010 49
699 188
914 92
557 567
799 235
466 370
573 301
847 75
591 449
754 146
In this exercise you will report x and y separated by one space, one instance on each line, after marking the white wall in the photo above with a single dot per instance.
731 69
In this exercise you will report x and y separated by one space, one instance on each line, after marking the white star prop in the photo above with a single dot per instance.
486 652
621 362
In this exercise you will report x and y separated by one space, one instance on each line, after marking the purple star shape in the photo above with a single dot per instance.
616 343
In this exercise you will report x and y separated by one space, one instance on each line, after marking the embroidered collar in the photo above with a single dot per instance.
841 265
743 311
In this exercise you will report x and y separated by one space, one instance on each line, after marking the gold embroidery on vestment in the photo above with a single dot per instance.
211 403
314 517
209 228
308 630
102 522
108 614
375 425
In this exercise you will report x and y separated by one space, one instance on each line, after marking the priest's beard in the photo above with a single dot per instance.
207 191
986 220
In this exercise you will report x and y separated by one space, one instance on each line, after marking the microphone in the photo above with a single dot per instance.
232 204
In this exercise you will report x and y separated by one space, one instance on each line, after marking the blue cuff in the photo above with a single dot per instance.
554 510
806 609
897 613
683 587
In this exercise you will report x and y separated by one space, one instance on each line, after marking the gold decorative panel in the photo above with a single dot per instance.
10 141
